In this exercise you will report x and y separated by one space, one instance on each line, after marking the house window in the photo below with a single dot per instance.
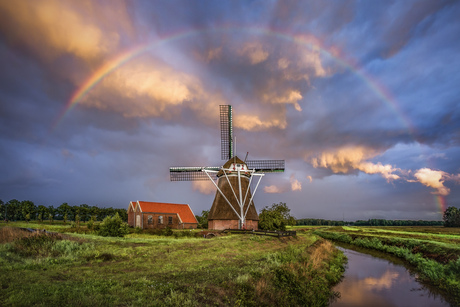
170 220
160 219
150 220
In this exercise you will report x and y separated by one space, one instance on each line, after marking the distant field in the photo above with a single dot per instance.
434 251
142 269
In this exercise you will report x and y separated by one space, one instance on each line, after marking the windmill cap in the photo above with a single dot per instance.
234 164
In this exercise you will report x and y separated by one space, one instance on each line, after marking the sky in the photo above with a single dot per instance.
360 98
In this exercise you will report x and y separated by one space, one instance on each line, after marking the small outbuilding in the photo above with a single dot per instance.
145 215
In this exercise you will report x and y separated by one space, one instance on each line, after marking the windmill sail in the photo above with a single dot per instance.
186 173
266 166
226 132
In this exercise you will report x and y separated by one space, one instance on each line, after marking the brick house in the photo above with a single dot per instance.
147 215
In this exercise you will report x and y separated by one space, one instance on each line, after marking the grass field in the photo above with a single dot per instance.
141 269
433 251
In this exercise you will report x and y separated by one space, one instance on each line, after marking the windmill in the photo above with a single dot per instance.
233 205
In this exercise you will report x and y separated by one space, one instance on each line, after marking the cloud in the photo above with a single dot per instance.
310 179
253 122
292 185
254 51
52 28
150 88
402 29
385 170
272 189
204 187
214 54
434 179
288 97
348 159
295 184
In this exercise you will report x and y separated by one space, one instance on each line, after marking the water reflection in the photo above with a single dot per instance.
370 281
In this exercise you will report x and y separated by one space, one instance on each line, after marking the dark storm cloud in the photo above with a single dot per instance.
300 16
392 134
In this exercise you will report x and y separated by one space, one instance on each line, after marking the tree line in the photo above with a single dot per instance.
26 210
369 222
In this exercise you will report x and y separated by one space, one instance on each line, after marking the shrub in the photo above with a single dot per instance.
113 227
90 224
168 232
137 230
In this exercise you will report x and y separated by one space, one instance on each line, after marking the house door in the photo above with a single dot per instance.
138 221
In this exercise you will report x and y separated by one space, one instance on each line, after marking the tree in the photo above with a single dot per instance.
451 217
203 219
2 210
85 212
51 213
276 217
28 209
42 212
74 211
14 210
95 212
64 210
113 226
122 213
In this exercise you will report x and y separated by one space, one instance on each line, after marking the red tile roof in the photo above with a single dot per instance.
184 211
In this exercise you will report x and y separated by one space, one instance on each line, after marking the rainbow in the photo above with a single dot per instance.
304 40
441 202
307 41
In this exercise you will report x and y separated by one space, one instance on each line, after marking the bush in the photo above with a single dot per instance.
90 224
137 230
168 232
113 227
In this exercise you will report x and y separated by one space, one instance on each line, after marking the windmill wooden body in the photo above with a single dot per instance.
233 206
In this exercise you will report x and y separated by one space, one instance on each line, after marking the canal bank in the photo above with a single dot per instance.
377 279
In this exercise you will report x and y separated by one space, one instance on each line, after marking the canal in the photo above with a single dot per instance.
376 279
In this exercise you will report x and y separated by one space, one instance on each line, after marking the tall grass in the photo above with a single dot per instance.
143 269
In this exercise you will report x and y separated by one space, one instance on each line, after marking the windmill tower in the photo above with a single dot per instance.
233 206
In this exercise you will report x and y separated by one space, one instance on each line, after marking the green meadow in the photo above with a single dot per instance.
78 268
433 252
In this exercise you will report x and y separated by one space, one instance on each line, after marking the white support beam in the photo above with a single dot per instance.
206 171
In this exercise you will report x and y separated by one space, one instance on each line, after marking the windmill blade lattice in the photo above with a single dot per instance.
186 173
266 166
226 132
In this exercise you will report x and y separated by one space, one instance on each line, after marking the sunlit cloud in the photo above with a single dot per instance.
254 52
295 184
434 179
52 28
272 189
289 97
348 159
149 88
204 187
253 122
